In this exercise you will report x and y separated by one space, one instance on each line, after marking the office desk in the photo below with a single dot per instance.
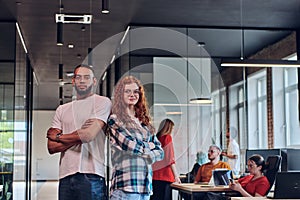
191 188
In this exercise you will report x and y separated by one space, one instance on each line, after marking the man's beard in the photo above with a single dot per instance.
84 92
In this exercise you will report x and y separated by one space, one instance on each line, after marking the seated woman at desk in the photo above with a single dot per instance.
253 185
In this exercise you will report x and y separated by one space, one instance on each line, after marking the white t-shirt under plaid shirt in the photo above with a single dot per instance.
131 157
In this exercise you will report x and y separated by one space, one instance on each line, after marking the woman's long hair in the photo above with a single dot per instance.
141 107
165 127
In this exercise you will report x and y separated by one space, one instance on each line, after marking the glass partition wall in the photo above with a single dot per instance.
14 115
7 115
175 68
180 64
177 65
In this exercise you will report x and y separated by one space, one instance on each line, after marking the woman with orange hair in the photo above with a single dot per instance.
134 146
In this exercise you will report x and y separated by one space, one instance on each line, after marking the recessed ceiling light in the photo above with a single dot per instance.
69 74
201 44
70 46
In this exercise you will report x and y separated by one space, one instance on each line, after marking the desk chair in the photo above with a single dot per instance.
273 163
190 176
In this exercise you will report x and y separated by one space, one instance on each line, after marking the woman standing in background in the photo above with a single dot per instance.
164 172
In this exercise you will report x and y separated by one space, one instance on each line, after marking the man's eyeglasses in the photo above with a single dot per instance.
212 151
134 92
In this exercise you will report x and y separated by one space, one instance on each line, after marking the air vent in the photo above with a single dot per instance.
73 19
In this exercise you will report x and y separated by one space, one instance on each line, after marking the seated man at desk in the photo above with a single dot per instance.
205 171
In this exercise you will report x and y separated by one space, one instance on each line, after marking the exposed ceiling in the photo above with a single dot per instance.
37 22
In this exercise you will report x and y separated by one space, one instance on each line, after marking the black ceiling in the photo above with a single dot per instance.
37 22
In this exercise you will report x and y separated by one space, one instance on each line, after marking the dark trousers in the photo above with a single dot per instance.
82 187
196 196
161 190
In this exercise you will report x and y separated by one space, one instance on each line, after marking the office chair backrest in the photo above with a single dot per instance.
273 164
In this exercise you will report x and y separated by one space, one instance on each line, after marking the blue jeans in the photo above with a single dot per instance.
121 195
82 187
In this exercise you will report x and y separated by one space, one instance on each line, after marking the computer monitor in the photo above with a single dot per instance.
293 159
287 185
265 153
222 176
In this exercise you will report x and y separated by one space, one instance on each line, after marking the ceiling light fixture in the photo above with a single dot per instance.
201 44
105 6
201 100
59 34
70 46
259 63
60 71
59 28
70 74
21 37
174 113
73 19
255 62
61 95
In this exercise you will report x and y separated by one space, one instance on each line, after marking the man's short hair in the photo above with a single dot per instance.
90 67
216 146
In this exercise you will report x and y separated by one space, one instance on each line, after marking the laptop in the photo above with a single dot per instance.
287 185
222 176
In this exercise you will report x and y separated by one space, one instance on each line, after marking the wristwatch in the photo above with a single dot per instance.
58 136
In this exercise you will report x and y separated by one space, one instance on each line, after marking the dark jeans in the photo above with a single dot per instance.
82 187
161 190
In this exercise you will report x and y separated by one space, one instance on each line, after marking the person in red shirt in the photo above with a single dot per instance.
164 171
255 184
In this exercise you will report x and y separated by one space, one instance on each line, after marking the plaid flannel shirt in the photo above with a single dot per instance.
132 157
